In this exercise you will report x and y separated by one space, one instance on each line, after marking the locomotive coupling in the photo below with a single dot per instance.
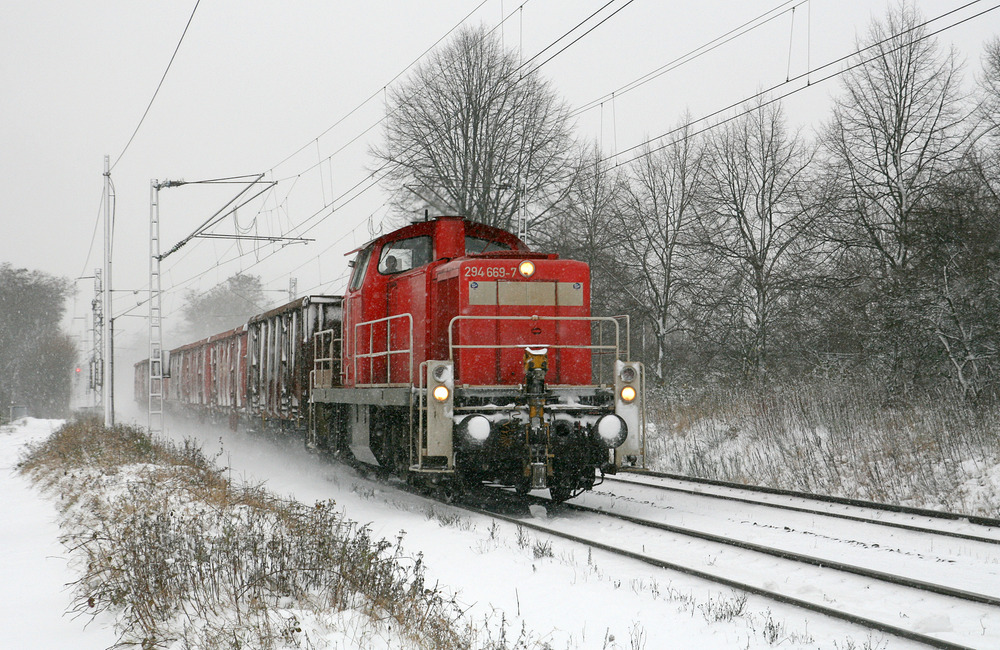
536 364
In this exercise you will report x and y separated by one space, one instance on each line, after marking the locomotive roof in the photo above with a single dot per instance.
472 229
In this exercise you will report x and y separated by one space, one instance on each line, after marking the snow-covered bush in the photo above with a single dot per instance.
186 559
849 438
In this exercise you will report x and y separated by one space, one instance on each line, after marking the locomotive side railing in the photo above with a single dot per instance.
599 348
387 353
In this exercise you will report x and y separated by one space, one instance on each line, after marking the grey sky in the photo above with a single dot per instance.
255 82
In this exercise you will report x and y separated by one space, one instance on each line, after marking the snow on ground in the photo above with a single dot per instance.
562 593
573 599
34 596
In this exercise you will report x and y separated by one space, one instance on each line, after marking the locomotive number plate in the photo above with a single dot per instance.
500 272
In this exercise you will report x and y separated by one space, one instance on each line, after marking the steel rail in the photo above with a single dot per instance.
734 584
801 558
889 507
790 508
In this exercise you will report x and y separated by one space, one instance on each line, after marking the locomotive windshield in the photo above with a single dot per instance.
405 254
476 246
360 265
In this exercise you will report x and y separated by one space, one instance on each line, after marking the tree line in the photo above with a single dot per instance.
748 250
36 358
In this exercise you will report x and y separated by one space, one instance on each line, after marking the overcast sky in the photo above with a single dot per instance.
264 87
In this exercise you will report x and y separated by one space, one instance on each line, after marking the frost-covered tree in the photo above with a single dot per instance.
472 133
655 222
223 307
898 127
755 228
36 358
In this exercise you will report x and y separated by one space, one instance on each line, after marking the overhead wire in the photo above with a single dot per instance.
691 55
158 86
373 180
574 41
805 75
363 185
93 237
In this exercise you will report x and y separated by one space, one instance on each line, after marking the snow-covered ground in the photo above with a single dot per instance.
564 594
34 575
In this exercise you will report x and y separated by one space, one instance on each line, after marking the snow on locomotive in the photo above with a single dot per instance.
455 356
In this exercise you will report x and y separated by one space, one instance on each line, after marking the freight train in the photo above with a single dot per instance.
455 356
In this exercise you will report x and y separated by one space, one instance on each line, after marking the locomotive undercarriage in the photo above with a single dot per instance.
556 448
563 453
529 436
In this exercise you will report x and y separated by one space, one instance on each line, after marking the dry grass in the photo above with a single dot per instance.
847 438
185 559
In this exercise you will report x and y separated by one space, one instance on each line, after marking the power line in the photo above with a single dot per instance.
93 237
158 86
575 40
691 55
807 75
384 86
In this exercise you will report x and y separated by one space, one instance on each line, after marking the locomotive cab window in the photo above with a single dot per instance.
360 266
406 254
477 246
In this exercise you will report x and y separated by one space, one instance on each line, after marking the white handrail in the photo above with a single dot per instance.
387 353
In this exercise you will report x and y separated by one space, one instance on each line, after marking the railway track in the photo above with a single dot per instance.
913 602
982 529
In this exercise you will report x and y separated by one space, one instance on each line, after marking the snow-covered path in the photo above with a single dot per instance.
33 564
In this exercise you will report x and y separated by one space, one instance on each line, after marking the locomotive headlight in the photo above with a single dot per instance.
441 393
628 374
628 393
612 430
526 268
476 428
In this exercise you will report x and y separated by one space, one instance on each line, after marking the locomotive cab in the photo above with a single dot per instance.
465 357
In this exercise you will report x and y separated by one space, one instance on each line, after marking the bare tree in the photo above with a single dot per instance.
755 226
989 158
896 129
583 227
223 307
656 215
473 134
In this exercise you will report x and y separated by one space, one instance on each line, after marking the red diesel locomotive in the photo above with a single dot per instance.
455 356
